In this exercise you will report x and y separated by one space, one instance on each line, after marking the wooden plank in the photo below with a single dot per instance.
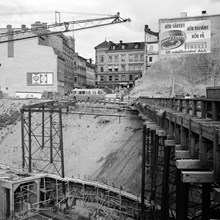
178 147
197 177
216 195
169 143
182 154
153 127
148 122
161 133
191 164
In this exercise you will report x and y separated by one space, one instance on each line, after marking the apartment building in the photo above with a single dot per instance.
90 74
151 46
79 63
118 65
45 63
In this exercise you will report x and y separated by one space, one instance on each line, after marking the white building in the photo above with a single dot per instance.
27 66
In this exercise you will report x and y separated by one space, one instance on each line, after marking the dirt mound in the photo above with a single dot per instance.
181 75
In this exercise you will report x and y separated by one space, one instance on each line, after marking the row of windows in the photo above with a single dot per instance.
123 46
115 68
115 58
116 78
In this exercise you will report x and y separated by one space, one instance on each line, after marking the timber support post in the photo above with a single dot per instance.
165 187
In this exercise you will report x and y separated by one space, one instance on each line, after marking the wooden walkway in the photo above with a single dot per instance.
191 128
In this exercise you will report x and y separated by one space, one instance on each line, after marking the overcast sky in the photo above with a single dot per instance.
141 12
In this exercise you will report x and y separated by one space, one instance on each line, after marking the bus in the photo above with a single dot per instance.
87 95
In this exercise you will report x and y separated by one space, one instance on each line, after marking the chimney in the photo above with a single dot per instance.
146 28
23 26
120 41
9 26
204 13
183 14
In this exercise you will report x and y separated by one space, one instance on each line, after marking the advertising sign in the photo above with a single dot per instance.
185 37
39 79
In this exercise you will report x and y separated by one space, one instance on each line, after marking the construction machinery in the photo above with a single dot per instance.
62 27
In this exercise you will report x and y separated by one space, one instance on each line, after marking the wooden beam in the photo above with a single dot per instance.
190 164
169 143
161 133
148 122
153 127
182 154
178 147
197 177
216 195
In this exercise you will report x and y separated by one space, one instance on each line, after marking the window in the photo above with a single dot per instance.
130 58
136 46
123 58
136 68
110 68
116 58
141 57
142 67
123 67
101 69
116 77
122 47
101 59
136 57
110 78
150 59
131 77
101 78
151 48
109 59
113 47
122 77
131 67
116 68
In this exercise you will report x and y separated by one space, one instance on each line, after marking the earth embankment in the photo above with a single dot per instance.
101 148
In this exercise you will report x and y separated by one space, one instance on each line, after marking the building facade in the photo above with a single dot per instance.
46 63
79 71
90 74
65 47
30 67
151 47
118 65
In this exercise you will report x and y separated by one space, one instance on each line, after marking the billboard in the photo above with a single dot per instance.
185 37
39 79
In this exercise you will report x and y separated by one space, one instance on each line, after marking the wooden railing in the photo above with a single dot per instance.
204 108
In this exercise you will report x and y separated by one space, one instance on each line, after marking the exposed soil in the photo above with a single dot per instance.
100 148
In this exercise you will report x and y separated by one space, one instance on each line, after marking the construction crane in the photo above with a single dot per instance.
61 28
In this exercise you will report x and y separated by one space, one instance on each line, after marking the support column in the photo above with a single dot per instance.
165 187
206 188
176 132
143 173
182 197
29 140
183 135
22 138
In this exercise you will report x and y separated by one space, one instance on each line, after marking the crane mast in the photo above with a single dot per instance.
61 28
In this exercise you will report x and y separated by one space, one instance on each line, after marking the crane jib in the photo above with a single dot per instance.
57 28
